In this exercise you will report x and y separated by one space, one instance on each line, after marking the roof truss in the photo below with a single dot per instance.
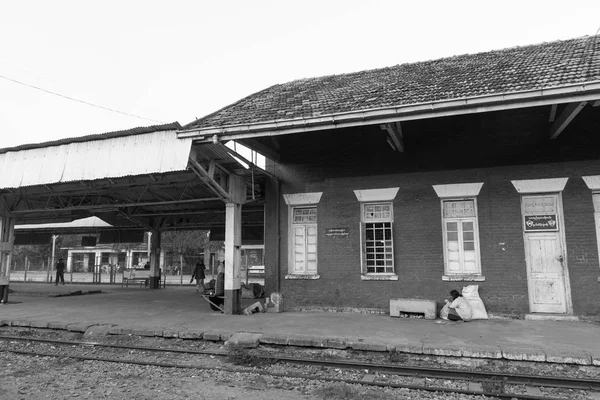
565 118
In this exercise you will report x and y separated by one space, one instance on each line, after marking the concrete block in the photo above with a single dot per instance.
336 343
369 378
534 391
22 323
119 330
225 335
302 340
79 327
475 387
248 340
427 307
97 330
57 325
409 348
437 350
418 382
212 336
523 354
274 338
168 334
481 351
4 322
565 356
191 335
254 308
36 324
144 332
366 346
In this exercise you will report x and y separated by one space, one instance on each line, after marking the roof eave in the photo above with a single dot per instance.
546 96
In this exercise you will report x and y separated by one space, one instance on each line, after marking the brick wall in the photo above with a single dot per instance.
418 248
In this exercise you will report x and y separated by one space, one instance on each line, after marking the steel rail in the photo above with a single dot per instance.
402 370
292 376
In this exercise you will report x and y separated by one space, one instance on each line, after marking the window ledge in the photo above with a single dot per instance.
379 277
464 278
302 277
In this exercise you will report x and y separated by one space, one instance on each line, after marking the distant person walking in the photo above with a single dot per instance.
60 272
199 275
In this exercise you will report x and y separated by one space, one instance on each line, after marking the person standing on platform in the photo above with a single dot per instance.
199 275
60 272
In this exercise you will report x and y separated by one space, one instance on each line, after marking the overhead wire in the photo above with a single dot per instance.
77 100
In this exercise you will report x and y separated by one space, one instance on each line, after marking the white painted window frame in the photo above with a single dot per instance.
305 226
364 223
458 192
593 183
368 197
448 275
297 201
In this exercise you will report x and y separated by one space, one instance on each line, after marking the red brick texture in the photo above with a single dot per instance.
418 246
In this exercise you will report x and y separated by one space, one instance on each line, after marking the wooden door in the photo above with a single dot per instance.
544 253
545 275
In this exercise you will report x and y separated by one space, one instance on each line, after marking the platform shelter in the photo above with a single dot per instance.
142 179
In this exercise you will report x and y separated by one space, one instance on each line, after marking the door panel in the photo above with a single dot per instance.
545 273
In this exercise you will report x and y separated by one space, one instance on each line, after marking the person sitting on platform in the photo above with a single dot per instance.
459 309
217 298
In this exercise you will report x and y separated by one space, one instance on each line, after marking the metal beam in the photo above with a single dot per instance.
565 118
394 131
263 149
552 113
116 206
210 182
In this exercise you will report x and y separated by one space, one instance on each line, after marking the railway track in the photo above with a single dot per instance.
370 374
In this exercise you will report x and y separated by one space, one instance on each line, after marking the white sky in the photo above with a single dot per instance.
178 60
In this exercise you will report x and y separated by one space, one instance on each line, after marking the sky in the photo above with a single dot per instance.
159 62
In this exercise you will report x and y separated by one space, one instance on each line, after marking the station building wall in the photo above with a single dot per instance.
418 239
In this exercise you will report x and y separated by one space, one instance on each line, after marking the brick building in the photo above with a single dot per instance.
413 180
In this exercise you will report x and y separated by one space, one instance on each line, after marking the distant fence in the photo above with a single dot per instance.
85 268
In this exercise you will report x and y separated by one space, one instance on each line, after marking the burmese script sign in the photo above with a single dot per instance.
337 232
541 223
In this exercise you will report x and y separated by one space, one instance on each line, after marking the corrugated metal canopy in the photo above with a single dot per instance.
90 222
138 154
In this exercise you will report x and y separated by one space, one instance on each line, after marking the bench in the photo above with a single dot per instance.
139 275
215 302
256 270
427 307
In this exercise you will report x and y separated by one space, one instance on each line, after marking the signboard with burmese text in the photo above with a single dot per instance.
540 223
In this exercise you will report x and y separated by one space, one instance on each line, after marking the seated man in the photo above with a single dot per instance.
459 309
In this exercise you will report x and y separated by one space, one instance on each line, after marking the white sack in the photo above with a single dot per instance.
444 311
471 293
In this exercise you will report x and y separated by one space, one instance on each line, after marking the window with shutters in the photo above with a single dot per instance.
377 238
304 240
461 237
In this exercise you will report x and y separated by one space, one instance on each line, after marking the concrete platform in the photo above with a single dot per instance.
180 312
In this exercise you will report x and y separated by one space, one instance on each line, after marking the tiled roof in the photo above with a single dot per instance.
546 65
